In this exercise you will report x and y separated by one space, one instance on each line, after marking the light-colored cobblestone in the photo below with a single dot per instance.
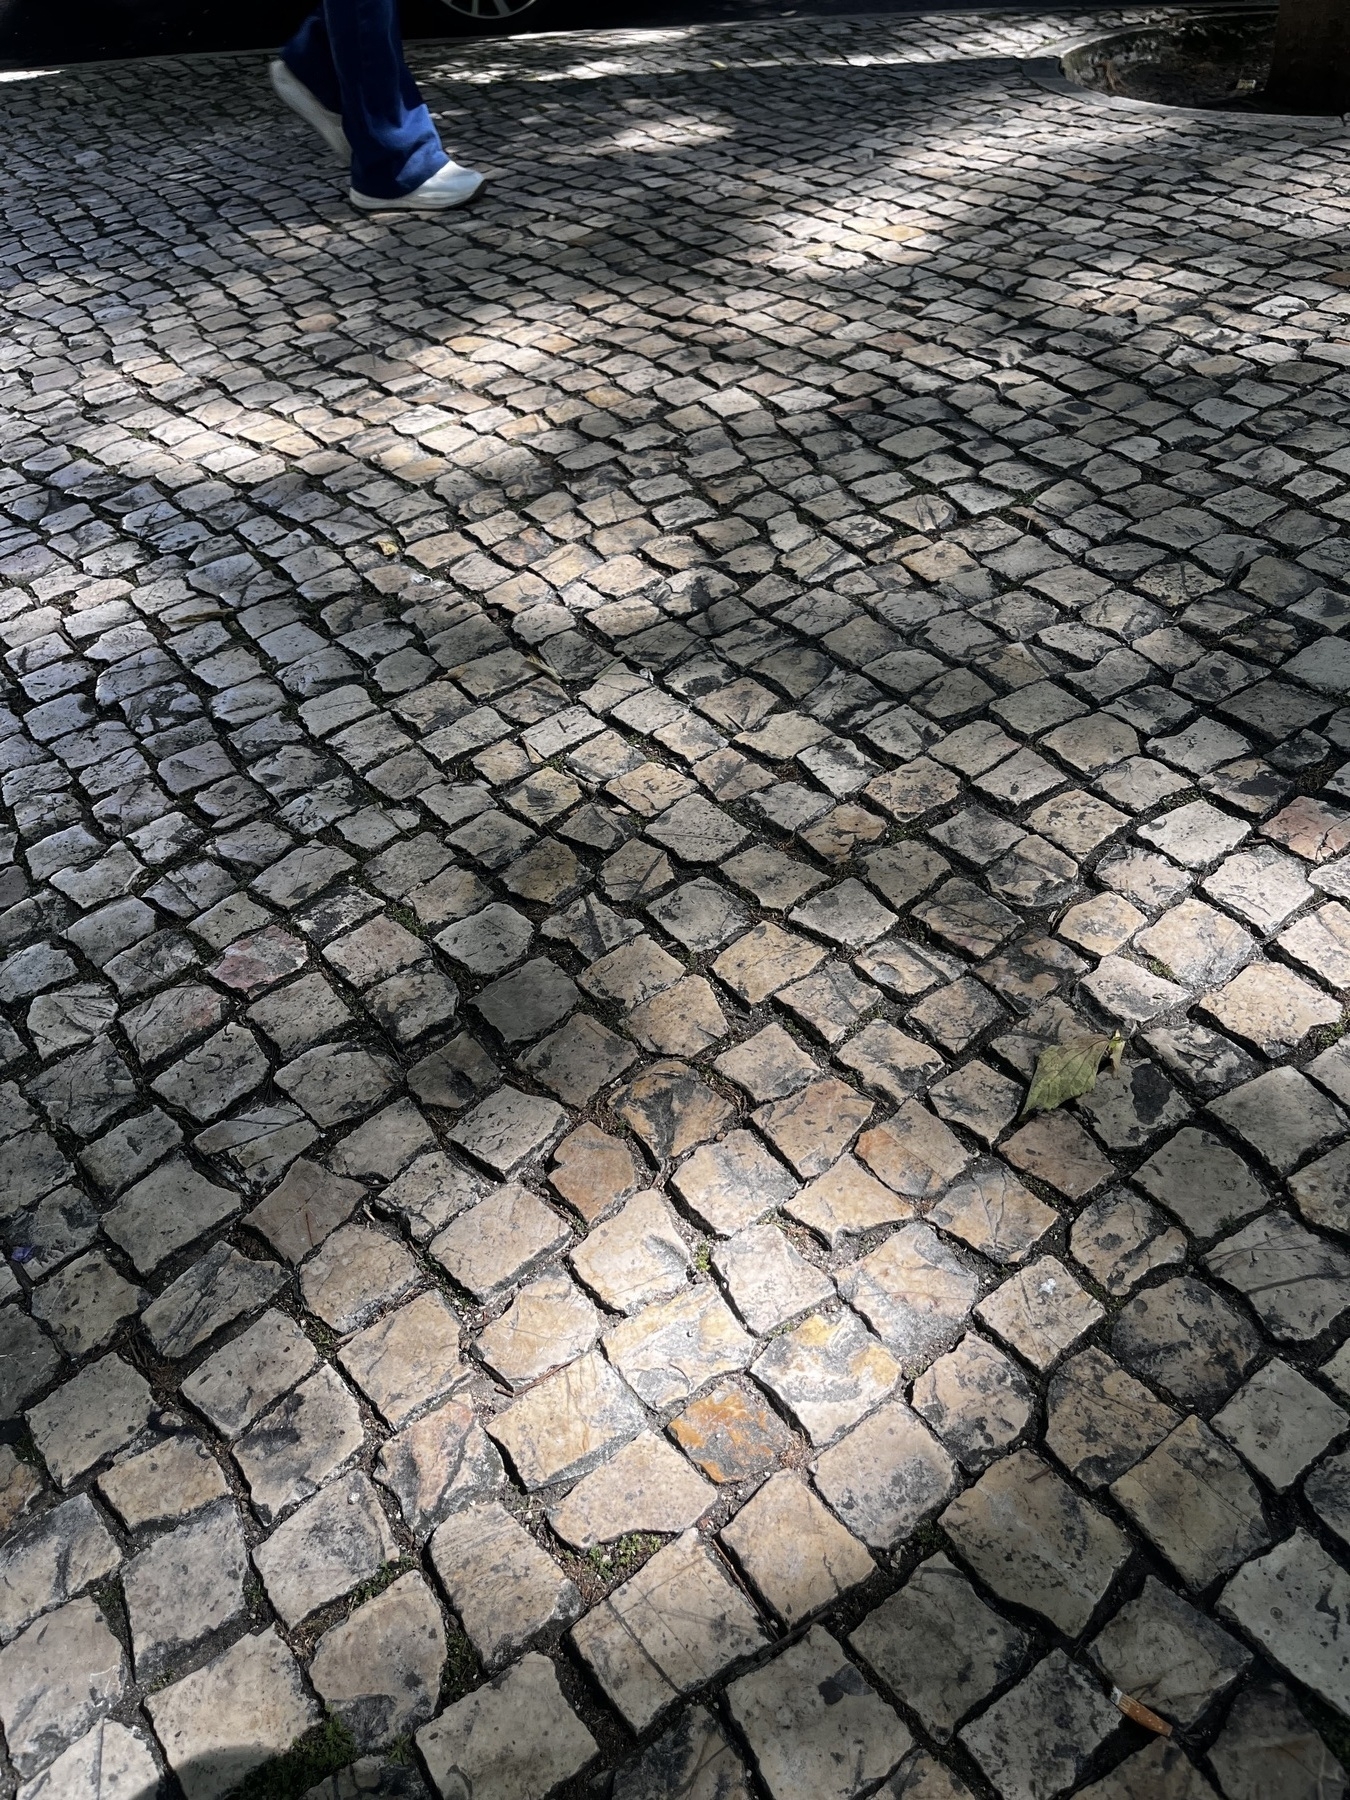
559 766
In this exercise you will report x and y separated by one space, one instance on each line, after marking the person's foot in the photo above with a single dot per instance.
292 92
449 186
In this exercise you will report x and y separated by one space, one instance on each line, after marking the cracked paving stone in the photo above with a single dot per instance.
505 1589
92 1416
220 1288
439 1464
1201 1182
1041 1312
592 1171
1280 1423
165 1211
186 1585
731 1433
995 1214
407 1360
635 1257
645 1487
677 1623
915 1292
1100 1420
827 1373
671 1349
1120 1239
60 1676
671 1109
219 1723
913 1152
239 1381
357 1272
579 1059
830 1002
1029 1537
1282 1116
1290 1603
1193 1498
886 1476
1296 1283
817 1730
692 1759
50 1559
306 1206
1267 1745
108 1761
508 1128
795 1553
568 1423
1037 1739
172 1479
1181 1336
336 1539
550 1322
731 1184
764 960
768 1281
938 1646
977 1401
294 1448
514 1736
1159 1650
379 1671
846 1201
815 1126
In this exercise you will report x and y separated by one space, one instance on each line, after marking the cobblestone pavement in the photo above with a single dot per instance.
560 766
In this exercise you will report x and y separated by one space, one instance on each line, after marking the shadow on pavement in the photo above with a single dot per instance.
36 31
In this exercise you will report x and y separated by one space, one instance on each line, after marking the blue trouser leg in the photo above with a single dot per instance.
350 56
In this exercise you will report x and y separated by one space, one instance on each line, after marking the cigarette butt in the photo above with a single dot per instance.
1136 1710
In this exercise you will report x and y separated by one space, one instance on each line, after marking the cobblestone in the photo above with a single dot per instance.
559 766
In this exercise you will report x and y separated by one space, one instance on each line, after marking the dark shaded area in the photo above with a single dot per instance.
38 31
1221 61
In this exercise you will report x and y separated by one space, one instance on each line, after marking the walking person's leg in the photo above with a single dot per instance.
347 60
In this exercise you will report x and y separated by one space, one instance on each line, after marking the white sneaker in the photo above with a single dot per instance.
449 186
293 93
